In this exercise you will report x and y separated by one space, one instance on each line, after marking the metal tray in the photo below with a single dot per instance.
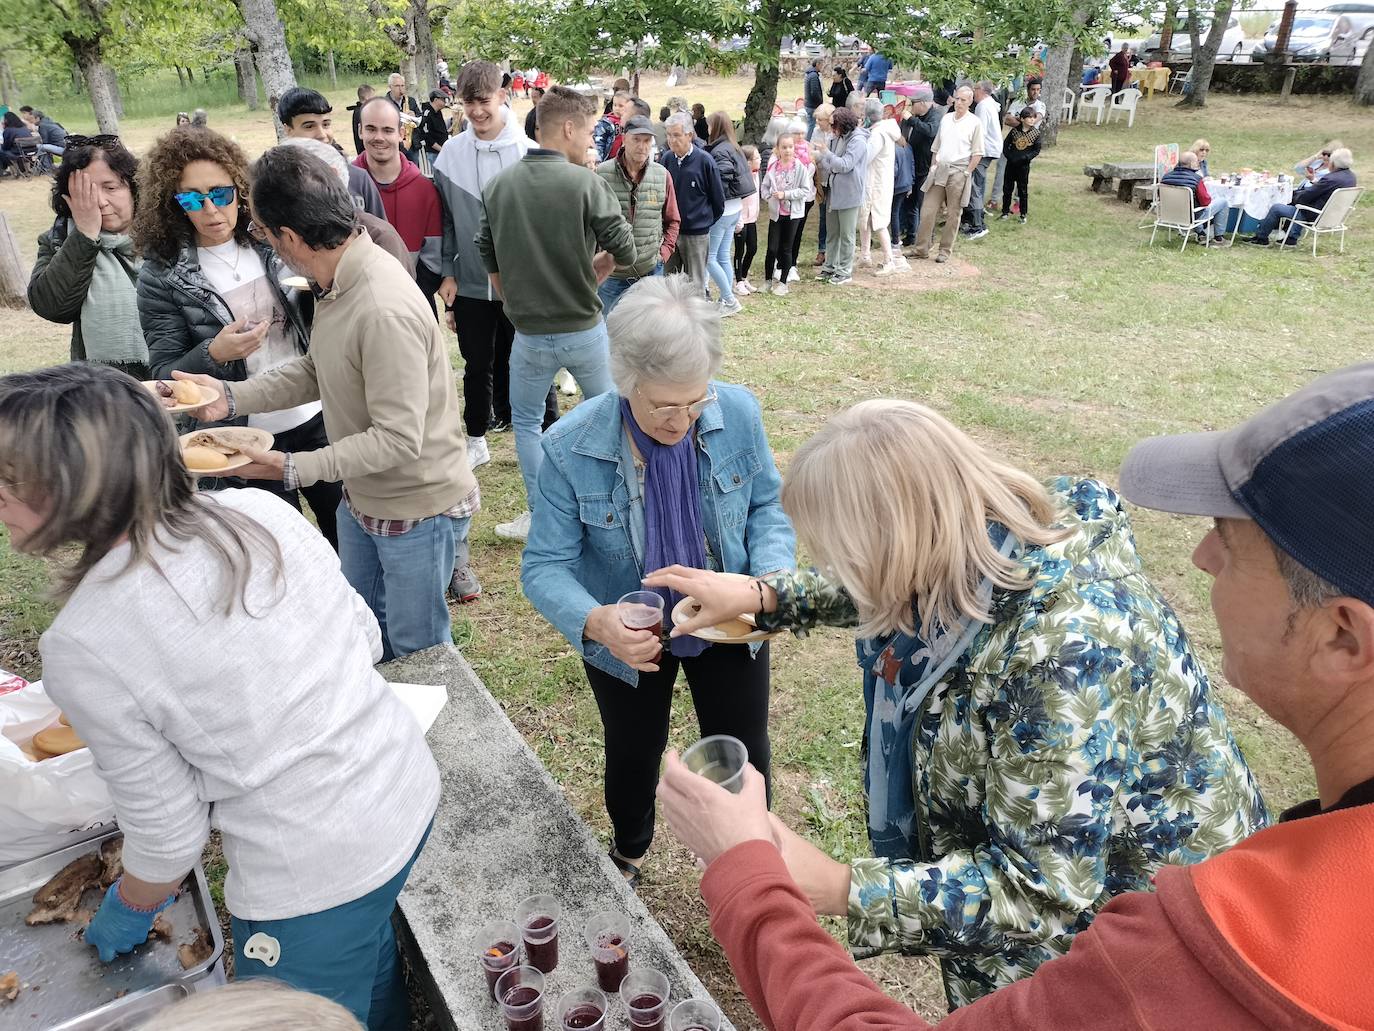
65 986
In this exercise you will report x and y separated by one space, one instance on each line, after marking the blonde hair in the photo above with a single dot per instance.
893 500
1200 144
253 1004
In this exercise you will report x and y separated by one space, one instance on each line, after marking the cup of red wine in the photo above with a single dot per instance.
537 918
583 1009
719 758
645 995
520 991
498 949
641 610
608 938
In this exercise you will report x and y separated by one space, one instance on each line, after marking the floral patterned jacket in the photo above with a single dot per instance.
1073 749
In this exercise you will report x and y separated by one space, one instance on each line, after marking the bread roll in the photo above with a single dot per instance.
186 393
58 740
203 459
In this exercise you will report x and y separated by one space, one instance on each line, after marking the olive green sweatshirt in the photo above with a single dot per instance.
543 220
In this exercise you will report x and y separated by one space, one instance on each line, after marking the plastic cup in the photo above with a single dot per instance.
694 1015
583 1009
719 758
608 937
645 995
491 948
641 610
520 991
537 918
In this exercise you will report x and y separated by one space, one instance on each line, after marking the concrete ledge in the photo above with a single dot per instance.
504 831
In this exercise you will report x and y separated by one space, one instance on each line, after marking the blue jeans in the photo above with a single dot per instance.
719 264
1271 222
534 361
403 579
1218 212
810 122
610 291
347 954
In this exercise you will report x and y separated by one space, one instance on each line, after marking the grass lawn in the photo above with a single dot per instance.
1065 342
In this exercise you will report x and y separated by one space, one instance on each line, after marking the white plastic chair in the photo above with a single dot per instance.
1066 111
1094 98
1125 101
1330 219
1175 213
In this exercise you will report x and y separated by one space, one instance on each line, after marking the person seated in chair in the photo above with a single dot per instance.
1312 197
1187 173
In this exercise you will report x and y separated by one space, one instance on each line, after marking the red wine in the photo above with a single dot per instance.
582 1016
646 1002
543 956
522 995
495 954
610 972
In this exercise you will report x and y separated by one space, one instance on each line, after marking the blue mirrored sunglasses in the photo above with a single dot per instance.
219 196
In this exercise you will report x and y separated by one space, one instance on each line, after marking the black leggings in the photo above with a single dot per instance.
323 498
484 341
782 234
1017 175
730 695
428 281
801 228
747 245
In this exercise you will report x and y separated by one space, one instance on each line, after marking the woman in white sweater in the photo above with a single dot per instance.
219 666
882 144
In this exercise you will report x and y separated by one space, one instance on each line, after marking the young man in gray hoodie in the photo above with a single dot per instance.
492 142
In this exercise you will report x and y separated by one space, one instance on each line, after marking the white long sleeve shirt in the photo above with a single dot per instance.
989 112
269 724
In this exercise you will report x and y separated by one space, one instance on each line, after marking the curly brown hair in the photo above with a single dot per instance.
161 228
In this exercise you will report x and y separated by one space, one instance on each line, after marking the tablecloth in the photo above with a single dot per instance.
1151 78
1255 196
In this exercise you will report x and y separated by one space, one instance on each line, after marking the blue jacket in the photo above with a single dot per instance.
903 171
1189 177
586 544
700 192
1315 195
876 68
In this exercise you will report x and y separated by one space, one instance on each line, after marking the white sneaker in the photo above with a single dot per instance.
478 452
887 270
730 306
518 529
902 264
743 289
792 276
566 384
780 289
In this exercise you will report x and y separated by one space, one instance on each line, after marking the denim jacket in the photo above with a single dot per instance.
586 543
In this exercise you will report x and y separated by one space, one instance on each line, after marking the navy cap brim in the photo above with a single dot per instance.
1180 474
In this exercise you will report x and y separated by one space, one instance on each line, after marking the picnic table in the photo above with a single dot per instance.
1150 79
1251 198
1128 175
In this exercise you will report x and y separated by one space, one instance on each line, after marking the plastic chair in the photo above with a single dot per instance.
1094 98
1330 219
1175 213
1066 111
1125 101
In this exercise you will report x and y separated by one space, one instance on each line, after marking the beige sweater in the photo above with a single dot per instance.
379 365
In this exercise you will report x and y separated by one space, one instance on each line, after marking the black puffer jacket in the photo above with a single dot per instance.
181 313
734 169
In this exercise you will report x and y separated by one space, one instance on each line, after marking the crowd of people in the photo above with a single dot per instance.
1043 743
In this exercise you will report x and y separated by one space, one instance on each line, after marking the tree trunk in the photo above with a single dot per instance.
1058 77
112 77
247 77
758 105
333 72
99 77
426 53
1193 42
1364 83
1205 57
14 278
267 37
1166 32
181 76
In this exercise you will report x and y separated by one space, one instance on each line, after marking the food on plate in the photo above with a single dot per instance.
112 858
735 628
203 459
196 951
228 440
57 740
59 899
185 392
162 928
62 719
9 986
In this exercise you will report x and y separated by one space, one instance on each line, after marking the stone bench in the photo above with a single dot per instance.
505 831
1128 176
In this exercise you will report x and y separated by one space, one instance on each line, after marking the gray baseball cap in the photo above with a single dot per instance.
1303 469
637 125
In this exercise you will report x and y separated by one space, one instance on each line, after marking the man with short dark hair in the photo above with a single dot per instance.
645 192
873 73
549 233
305 114
535 92
365 93
920 128
1011 120
379 365
813 93
700 197
408 198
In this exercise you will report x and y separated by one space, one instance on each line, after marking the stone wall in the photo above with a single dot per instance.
1268 78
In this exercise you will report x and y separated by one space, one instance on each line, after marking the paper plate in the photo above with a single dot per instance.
232 436
207 394
732 631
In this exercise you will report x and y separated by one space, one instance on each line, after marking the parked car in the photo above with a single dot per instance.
1317 36
1232 41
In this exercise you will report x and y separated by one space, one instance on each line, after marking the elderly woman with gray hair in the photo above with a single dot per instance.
671 467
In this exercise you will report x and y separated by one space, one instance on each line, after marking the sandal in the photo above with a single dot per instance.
627 868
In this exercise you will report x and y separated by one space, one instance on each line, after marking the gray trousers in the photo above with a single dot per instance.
690 256
996 192
839 241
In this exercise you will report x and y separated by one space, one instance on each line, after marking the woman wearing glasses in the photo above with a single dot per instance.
671 467
211 298
86 270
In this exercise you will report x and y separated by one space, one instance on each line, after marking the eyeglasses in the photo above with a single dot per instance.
104 140
194 200
668 411
1326 153
257 232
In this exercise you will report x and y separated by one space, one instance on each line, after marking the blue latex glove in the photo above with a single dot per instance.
116 928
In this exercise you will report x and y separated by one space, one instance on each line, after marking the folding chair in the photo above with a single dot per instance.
1176 213
1166 160
1330 219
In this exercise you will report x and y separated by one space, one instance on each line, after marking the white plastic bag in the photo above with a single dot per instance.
42 804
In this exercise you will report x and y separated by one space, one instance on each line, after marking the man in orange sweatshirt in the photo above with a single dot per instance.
1276 933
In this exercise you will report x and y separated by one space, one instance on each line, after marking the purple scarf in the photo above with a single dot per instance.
672 514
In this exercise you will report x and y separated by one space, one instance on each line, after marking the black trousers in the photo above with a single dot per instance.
782 234
323 498
484 341
428 281
797 238
730 695
1017 175
747 245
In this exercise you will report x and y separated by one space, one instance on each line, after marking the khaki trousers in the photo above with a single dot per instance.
948 197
